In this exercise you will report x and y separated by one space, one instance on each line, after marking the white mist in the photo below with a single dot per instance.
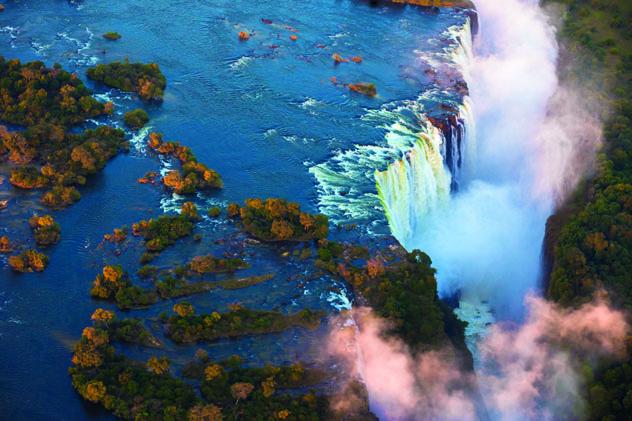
486 241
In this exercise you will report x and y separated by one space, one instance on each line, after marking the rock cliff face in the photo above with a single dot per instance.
554 225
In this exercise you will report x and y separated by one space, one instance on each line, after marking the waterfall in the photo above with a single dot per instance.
415 184
442 157
462 54
429 149
468 125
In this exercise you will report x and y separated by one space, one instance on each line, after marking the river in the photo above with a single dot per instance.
263 113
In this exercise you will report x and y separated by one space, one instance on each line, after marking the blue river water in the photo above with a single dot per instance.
263 113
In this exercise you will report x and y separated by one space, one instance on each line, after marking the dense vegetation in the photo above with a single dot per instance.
47 102
136 119
118 235
363 88
132 331
165 230
223 380
129 389
149 177
466 4
169 286
212 264
47 232
66 159
28 261
230 391
279 220
400 286
114 284
123 330
194 175
145 79
32 94
187 327
592 234
5 244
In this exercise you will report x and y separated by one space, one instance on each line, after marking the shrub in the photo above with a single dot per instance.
112 36
28 261
46 230
136 119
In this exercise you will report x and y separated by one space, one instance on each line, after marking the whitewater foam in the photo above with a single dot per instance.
13 32
365 182
139 139
414 185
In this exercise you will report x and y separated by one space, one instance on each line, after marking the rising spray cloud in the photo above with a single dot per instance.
486 241
535 140
526 371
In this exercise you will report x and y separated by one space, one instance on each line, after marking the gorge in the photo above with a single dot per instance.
474 190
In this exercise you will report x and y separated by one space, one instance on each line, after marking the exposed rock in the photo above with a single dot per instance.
338 58
148 178
363 88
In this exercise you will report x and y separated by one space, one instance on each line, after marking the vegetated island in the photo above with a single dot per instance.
462 4
193 177
136 119
46 231
401 287
115 285
34 95
186 327
170 287
144 79
165 230
5 244
28 261
279 220
45 104
48 101
135 390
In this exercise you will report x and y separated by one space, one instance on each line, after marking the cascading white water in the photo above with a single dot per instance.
462 56
486 241
462 53
466 115
347 182
415 184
